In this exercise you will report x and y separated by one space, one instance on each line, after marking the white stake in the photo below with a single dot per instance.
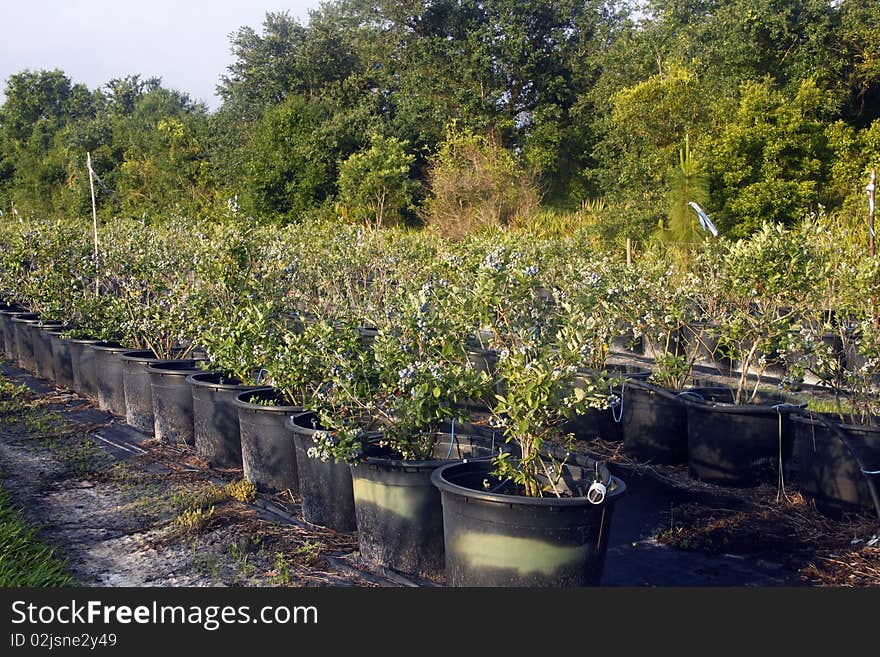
94 208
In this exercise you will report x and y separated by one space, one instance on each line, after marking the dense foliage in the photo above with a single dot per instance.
388 333
374 110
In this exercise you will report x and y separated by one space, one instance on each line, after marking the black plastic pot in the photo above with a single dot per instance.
108 376
44 361
7 313
499 540
62 366
832 457
215 417
82 364
399 513
24 340
172 400
267 451
604 423
654 421
737 444
326 488
482 339
136 385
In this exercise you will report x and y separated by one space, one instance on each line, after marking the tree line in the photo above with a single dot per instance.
462 113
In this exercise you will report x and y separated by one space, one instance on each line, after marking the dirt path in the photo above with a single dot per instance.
126 511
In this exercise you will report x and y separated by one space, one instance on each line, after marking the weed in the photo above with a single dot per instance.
242 551
205 562
193 520
203 498
242 490
14 397
310 551
282 569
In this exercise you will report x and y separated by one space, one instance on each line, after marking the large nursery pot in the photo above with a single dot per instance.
7 314
172 400
5 309
215 417
654 421
44 361
136 386
498 539
398 509
326 488
604 423
62 365
267 451
838 462
108 376
24 340
738 444
82 365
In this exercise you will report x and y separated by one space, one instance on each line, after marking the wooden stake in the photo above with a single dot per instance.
628 252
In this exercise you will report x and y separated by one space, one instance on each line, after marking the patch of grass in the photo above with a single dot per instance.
13 396
243 550
25 560
242 490
22 414
310 551
205 561
194 520
201 498
281 568
81 453
839 407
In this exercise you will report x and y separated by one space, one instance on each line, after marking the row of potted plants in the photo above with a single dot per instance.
388 337
400 524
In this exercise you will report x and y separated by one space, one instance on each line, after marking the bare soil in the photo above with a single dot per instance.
123 522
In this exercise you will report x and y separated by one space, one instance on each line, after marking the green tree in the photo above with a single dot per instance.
374 183
40 106
768 164
685 183
640 137
162 161
858 47
293 156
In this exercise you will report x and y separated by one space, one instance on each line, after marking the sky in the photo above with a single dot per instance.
185 42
